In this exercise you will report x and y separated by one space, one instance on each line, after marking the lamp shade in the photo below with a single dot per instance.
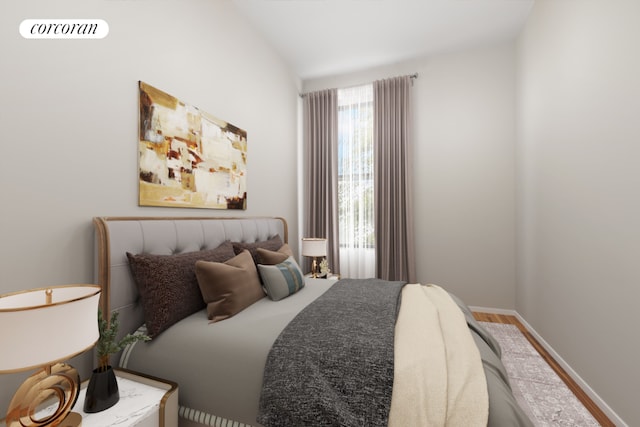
314 247
47 325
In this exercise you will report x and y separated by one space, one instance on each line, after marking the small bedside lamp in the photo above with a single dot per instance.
314 247
42 328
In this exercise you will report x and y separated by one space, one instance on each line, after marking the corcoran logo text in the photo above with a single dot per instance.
64 28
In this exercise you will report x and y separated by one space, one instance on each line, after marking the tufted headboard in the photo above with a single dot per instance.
115 236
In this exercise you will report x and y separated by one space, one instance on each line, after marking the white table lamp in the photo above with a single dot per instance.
43 328
314 247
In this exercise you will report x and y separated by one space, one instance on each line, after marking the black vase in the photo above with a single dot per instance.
102 391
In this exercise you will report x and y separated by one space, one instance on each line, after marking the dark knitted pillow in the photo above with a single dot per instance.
273 244
168 285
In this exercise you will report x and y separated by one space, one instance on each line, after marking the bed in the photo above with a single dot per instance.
240 369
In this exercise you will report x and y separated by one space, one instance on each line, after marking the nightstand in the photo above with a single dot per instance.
145 401
308 280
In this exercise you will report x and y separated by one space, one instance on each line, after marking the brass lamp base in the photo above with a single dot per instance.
315 268
33 399
319 270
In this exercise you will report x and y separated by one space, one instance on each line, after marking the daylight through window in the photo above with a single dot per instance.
356 182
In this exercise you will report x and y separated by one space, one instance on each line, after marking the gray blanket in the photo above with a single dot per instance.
349 329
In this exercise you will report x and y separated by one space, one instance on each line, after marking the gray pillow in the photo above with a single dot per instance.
281 280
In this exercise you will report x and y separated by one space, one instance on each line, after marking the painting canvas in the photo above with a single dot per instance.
187 157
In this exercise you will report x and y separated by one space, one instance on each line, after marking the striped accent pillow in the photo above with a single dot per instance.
281 280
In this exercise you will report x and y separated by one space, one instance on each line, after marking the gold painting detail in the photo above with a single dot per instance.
187 157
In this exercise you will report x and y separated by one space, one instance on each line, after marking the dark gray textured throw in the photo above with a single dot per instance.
333 364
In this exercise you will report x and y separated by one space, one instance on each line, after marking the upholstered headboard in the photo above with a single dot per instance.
115 236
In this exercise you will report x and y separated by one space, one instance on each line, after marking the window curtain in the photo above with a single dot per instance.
356 182
320 136
395 243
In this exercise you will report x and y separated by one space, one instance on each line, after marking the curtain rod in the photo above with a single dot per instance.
411 76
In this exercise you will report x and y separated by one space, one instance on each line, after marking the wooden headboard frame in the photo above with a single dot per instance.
115 236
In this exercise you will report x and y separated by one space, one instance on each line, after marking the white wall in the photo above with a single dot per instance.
69 120
579 189
464 201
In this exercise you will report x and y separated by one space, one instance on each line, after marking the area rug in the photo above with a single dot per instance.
537 388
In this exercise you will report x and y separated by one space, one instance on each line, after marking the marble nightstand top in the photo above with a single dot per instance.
137 401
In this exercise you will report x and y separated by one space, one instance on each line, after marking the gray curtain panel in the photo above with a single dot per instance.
395 242
321 176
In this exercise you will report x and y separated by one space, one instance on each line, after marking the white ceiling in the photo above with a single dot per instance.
326 37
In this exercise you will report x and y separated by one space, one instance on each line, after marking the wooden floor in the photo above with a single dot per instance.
580 394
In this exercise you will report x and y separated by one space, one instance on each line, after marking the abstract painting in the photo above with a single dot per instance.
187 157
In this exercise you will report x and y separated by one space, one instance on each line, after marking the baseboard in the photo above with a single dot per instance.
573 374
493 310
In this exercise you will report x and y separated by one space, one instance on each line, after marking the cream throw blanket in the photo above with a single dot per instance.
438 379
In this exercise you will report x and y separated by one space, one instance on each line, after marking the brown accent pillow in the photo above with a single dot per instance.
229 287
273 244
168 285
267 257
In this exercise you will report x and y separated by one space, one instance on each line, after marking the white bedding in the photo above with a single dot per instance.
438 374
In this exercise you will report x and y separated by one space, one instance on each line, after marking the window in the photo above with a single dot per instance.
356 182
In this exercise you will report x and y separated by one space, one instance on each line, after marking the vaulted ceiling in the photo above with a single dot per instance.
325 37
